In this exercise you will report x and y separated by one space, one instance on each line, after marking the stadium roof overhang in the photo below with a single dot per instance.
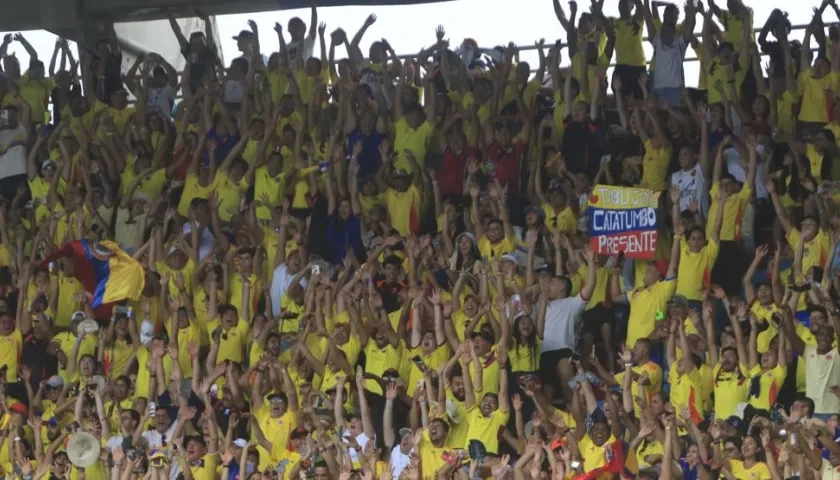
63 17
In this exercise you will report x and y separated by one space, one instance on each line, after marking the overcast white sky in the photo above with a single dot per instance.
409 28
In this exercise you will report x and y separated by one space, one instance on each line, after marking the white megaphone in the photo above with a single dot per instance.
83 449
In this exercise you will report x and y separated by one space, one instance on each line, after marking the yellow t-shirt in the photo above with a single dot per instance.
785 106
734 28
404 209
485 429
192 190
733 213
145 384
731 388
687 392
716 72
230 194
645 302
629 49
759 471
816 250
10 348
231 341
379 360
116 357
37 93
813 104
594 457
205 469
68 287
655 167
654 375
815 161
151 185
770 383
66 342
764 314
492 251
435 360
431 457
695 269
564 221
277 431
414 139
272 187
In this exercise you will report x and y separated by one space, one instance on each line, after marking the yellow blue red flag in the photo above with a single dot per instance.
623 219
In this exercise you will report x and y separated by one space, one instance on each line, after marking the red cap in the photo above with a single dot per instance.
557 443
20 408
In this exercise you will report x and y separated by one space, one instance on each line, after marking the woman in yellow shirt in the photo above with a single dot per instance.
118 345
758 462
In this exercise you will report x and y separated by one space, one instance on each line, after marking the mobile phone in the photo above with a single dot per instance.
316 269
419 362
152 408
817 275
776 413
619 260
606 158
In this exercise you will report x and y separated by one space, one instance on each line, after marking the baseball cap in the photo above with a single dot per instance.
509 258
47 164
20 408
401 172
244 35
240 442
536 210
737 423
55 381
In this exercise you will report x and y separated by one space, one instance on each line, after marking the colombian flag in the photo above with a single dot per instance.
108 273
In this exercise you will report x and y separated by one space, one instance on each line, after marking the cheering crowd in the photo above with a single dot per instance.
305 266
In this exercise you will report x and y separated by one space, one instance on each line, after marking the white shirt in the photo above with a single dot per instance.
399 461
13 148
280 282
821 373
206 241
362 440
234 91
736 169
669 62
155 439
295 48
114 442
162 99
692 185
561 320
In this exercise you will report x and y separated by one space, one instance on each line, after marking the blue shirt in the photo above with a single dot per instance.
369 160
224 145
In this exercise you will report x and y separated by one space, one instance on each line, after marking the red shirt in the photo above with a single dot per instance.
509 162
452 172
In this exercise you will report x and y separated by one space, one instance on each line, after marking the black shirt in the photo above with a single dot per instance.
201 64
390 293
34 354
